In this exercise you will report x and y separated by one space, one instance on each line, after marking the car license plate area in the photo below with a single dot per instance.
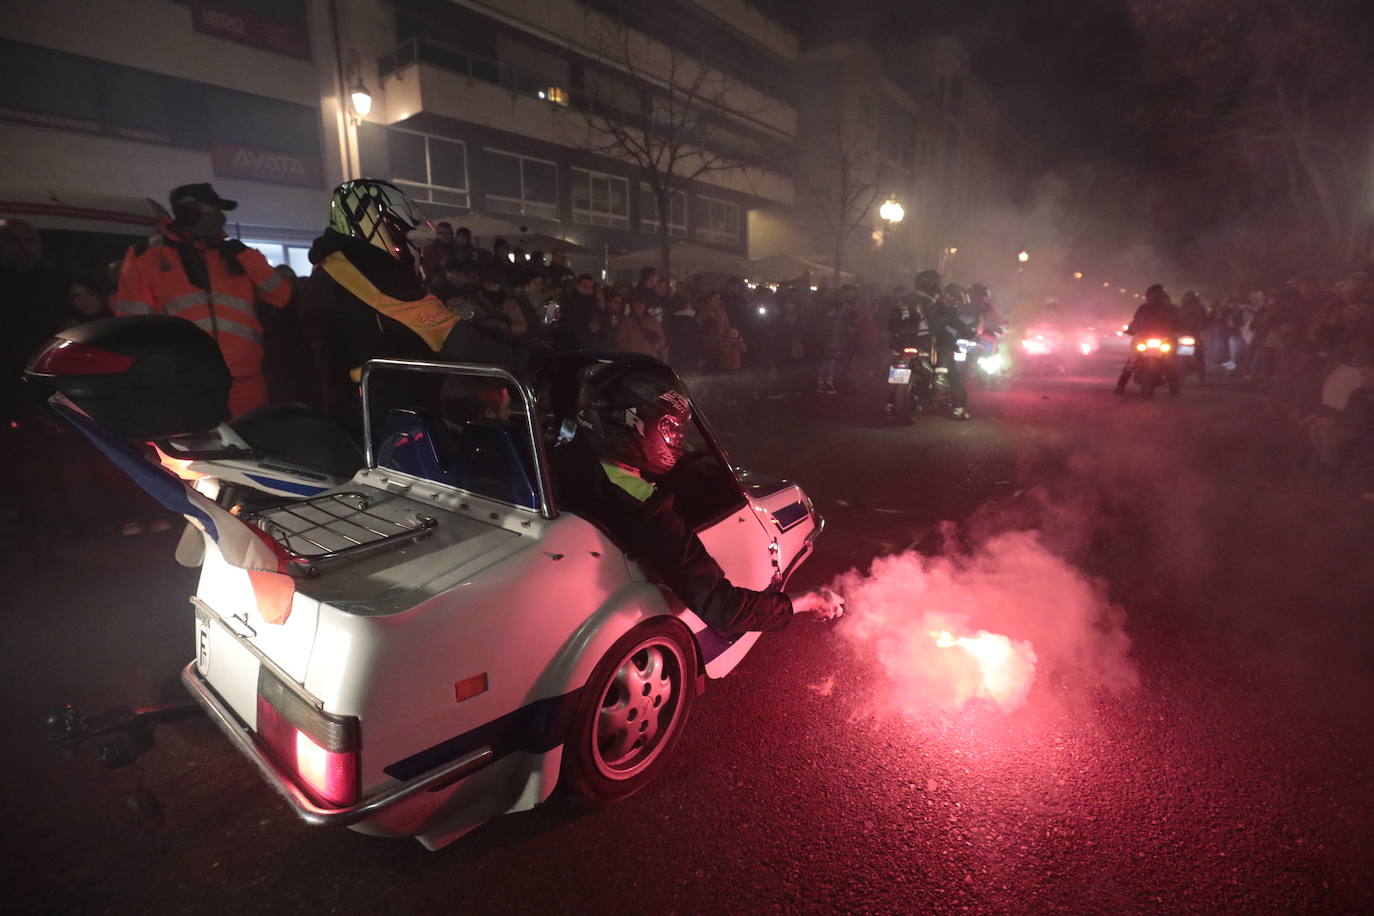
1185 350
898 376
228 666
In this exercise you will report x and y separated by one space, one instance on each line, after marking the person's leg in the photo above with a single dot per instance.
1125 377
1200 361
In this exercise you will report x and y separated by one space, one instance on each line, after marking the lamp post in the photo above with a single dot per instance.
891 213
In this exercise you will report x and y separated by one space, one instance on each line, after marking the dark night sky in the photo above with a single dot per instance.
1066 73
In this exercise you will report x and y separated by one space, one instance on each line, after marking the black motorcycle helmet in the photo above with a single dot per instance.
979 292
956 296
928 281
636 416
1156 294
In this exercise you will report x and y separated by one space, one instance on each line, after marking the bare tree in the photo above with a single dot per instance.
841 177
656 108
1263 116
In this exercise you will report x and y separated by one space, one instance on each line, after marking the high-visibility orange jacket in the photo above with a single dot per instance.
214 287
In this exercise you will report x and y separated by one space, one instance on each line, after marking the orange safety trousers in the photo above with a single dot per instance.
153 281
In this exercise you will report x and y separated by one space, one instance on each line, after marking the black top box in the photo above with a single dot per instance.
140 377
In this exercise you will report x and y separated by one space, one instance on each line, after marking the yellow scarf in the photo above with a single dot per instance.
427 317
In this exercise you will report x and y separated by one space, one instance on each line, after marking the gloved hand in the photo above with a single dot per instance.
822 602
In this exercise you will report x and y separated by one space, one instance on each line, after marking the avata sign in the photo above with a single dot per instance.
233 161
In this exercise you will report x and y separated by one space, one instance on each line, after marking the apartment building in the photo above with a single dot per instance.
856 147
476 108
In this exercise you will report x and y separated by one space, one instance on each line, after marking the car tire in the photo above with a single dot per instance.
631 713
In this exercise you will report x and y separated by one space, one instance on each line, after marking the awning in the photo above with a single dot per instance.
686 258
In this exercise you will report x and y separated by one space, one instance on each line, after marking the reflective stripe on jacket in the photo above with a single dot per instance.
153 281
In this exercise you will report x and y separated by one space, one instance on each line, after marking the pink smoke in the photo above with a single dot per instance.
961 627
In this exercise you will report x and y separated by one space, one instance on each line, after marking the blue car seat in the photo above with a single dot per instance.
486 457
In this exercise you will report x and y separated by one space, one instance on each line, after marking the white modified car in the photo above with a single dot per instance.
456 643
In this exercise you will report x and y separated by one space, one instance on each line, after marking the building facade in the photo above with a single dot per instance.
856 150
478 109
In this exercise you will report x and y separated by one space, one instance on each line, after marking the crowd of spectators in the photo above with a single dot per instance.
1311 349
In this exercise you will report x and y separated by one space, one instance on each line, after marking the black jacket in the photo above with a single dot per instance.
345 332
657 537
1159 318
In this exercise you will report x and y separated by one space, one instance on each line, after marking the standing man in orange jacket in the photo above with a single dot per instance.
189 269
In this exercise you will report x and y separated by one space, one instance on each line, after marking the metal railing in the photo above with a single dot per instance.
544 88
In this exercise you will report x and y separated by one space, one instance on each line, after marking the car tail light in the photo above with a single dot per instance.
1140 347
67 357
319 748
1153 343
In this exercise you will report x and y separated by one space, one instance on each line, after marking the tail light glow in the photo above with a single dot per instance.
319 748
1140 347
1187 341
1153 343
1036 345
67 357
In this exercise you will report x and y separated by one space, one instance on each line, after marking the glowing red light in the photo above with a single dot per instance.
67 357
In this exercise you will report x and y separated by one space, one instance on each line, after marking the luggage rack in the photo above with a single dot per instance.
335 526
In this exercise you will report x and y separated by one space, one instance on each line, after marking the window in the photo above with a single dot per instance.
600 200
429 169
278 253
717 220
648 212
521 186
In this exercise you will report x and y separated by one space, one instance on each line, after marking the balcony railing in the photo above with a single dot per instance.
543 88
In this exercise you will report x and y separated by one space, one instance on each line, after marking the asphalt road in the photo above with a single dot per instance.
1235 777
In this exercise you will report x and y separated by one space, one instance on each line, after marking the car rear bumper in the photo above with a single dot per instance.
305 807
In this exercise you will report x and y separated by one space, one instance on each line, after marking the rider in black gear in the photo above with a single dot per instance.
1194 316
948 328
1156 317
632 425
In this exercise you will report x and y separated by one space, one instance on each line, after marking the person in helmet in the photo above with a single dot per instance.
981 312
947 328
906 322
632 425
1156 317
1193 315
365 298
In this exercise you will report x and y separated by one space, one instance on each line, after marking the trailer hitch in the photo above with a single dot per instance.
128 732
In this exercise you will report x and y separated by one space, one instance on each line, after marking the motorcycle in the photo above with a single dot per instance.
985 356
1155 362
917 383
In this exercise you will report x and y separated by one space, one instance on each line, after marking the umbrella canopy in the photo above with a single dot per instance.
686 258
484 228
781 267
539 241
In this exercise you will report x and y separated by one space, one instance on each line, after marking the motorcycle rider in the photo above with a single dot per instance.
366 299
1193 313
1156 317
947 329
632 424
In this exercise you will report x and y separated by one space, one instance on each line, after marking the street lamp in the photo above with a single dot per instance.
891 211
1078 275
1023 257
357 92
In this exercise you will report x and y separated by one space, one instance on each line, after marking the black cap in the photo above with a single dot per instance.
202 193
